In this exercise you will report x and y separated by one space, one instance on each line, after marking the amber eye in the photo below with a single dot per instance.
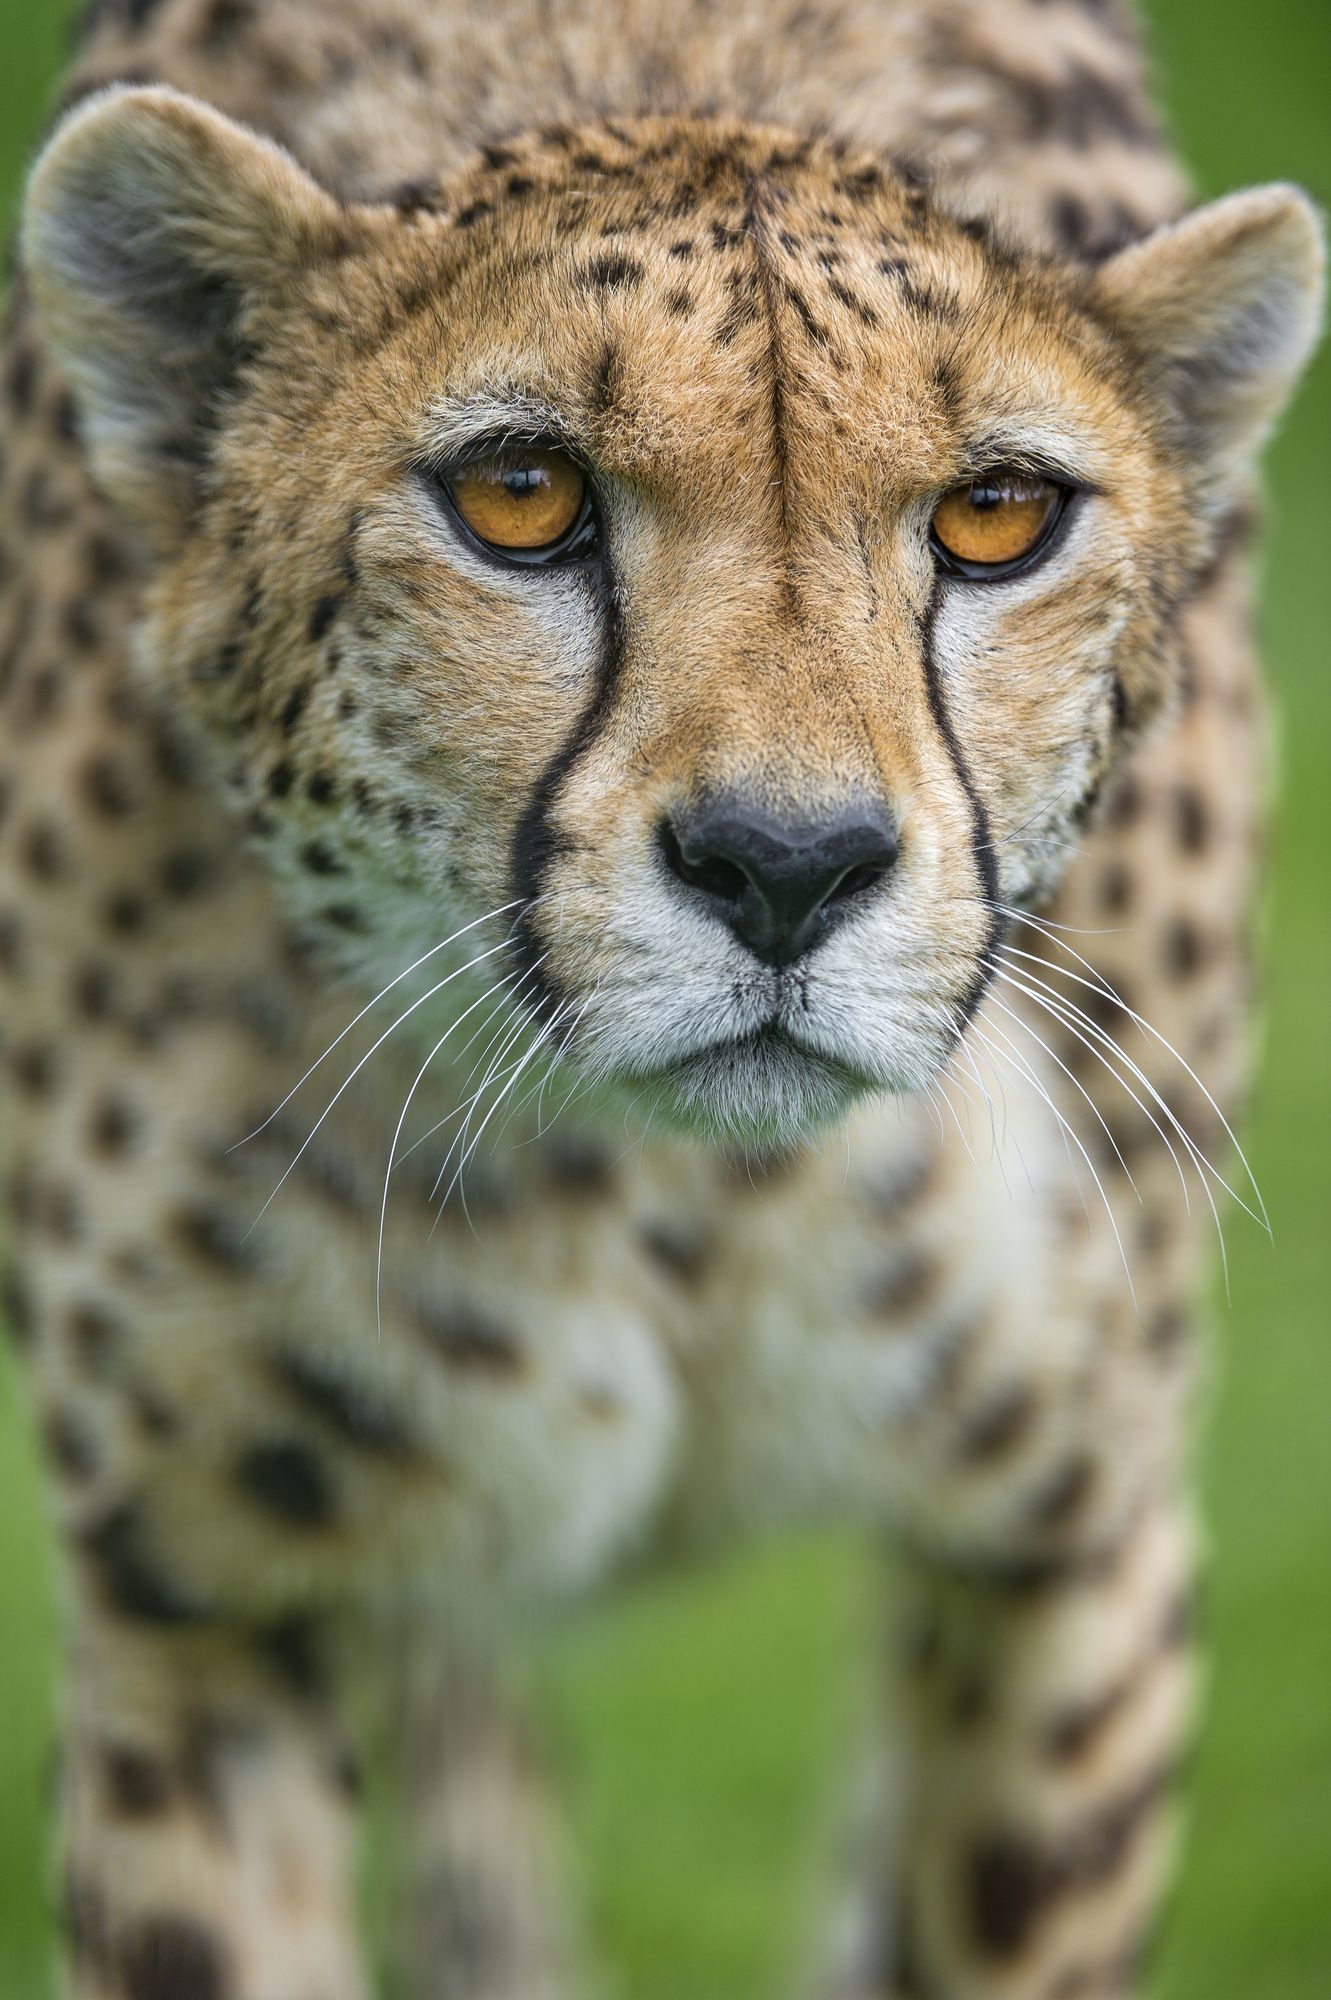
528 505
993 525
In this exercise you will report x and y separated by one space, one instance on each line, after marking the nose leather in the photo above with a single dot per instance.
780 885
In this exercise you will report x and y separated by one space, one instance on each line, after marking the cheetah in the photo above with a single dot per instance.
631 784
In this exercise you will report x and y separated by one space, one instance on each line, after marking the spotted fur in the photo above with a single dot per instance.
274 731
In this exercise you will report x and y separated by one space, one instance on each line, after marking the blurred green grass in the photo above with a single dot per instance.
698 1716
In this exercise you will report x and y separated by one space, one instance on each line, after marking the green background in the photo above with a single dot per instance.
698 1719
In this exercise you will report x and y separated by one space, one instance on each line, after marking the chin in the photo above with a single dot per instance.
763 1090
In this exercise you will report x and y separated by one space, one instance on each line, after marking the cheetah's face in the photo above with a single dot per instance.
733 725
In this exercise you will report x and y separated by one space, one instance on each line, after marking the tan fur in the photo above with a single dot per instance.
274 731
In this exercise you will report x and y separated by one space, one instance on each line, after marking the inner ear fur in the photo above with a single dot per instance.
1224 307
157 235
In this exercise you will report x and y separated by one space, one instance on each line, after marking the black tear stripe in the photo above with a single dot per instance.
536 843
982 845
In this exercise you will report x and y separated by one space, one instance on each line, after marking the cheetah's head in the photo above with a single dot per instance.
689 542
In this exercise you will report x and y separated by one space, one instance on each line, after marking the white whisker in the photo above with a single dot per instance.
1025 1069
397 1134
1068 1016
1098 984
347 1081
368 1008
1074 1081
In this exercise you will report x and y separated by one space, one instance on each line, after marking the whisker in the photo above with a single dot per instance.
1025 1070
347 1081
504 1000
1195 1154
1071 1017
1097 984
369 1008
392 1150
1076 1084
514 1074
501 1041
578 1088
1011 832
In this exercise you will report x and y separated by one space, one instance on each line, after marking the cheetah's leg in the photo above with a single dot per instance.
208 1845
479 1915
1040 1719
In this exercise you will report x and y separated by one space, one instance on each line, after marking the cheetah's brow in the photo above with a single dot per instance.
489 417
1047 450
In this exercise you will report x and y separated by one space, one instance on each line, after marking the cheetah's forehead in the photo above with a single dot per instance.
639 282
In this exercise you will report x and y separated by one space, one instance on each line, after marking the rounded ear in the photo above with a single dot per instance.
1225 306
156 235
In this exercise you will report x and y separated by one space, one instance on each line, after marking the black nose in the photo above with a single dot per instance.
779 886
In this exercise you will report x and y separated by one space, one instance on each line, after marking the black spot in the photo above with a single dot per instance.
1116 889
1068 1736
11 944
293 1647
155 1417
322 616
1192 819
81 625
173 756
44 851
414 197
21 380
1009 1887
321 789
903 1289
1125 802
216 1236
321 859
133 1582
127 913
293 708
288 1479
354 1412
474 212
1184 949
172 1958
113 1125
853 303
138 1784
345 917
71 1445
994 1430
280 779
470 1339
578 1166
225 20
682 1253
95 1334
186 871
16 1307
1167 1329
35 1069
611 273
679 301
1063 1495
106 561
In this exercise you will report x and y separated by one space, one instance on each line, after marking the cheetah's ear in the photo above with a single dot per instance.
1226 306
158 236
